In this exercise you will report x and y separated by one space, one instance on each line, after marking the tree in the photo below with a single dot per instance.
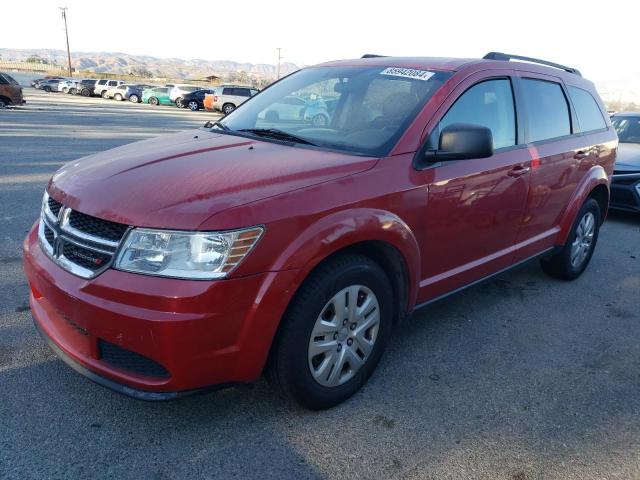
141 72
37 59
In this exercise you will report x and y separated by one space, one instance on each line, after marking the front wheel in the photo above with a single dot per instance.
334 332
104 95
72 91
179 103
193 106
573 258
117 97
134 99
228 108
154 101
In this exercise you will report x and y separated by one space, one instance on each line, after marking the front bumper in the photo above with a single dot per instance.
200 333
625 192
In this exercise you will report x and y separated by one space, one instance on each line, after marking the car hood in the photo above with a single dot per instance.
628 159
179 181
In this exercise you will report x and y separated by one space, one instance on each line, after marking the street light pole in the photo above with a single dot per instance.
66 32
279 59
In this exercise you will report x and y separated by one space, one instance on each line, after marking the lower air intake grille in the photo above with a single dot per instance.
132 361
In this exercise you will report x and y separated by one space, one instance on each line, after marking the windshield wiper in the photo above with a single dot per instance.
219 124
277 134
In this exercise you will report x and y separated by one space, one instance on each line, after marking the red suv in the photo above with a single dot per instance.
264 243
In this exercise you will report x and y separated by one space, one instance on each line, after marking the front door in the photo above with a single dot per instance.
475 206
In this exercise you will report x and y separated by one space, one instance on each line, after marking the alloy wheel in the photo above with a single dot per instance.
344 335
583 240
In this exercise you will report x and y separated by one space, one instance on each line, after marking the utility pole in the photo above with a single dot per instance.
66 32
279 59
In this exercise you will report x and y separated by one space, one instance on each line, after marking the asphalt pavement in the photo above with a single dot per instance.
520 378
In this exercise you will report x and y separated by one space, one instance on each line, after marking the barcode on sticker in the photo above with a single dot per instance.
408 73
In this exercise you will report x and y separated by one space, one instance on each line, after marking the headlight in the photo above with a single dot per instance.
194 255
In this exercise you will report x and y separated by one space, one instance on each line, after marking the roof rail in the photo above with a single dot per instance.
372 55
507 56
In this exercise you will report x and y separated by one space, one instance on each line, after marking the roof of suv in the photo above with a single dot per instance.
491 61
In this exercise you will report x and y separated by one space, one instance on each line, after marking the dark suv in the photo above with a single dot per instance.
10 91
625 187
276 245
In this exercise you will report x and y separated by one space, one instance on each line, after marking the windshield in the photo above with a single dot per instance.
362 110
628 128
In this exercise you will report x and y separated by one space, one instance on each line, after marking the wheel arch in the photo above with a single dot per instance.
595 184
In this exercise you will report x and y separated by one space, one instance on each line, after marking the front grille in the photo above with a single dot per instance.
85 257
54 206
79 243
48 235
619 195
97 227
132 361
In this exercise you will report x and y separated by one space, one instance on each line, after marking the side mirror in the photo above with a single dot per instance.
462 141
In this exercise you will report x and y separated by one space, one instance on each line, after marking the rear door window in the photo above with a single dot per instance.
589 114
489 104
547 110
228 91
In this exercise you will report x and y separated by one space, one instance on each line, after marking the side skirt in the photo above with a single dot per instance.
515 266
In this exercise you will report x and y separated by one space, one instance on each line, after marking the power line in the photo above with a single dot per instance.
66 32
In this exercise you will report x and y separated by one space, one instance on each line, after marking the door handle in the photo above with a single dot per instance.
518 171
580 155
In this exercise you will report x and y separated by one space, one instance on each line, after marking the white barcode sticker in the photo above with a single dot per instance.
408 73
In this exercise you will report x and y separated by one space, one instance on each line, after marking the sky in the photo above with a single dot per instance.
598 38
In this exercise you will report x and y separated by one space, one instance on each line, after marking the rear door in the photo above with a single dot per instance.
559 159
475 206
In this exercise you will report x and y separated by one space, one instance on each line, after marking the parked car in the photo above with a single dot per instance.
36 83
178 91
66 85
208 257
228 97
50 85
157 96
288 109
102 85
194 101
134 93
116 93
625 186
10 91
86 87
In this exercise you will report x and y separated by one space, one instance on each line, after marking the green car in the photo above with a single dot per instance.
157 96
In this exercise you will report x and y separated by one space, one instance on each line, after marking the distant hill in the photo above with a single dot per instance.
124 63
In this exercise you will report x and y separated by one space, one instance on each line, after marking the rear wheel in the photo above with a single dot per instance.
72 91
573 258
47 89
227 108
334 332
193 106
320 120
65 90
3 103
117 97
104 94
134 98
154 101
85 92
179 103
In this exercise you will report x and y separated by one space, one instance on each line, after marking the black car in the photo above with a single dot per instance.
625 186
85 87
193 101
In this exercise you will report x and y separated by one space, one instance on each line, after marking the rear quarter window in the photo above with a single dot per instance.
589 115
547 110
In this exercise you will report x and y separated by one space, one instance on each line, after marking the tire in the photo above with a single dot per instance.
179 103
117 97
311 380
104 94
47 89
320 120
573 258
65 90
72 91
193 106
154 101
85 92
134 98
227 108
3 103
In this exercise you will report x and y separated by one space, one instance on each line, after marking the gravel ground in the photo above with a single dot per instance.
520 378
